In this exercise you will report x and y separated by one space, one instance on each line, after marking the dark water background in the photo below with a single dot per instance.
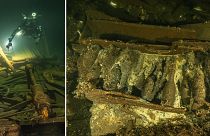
52 20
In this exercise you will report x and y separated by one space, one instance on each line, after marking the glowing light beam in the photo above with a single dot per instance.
19 33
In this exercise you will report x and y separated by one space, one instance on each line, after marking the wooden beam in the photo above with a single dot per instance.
6 60
140 31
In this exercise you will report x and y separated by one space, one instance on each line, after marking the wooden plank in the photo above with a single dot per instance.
176 48
144 48
139 31
202 30
112 97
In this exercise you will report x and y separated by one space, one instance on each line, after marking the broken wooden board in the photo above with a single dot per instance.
101 96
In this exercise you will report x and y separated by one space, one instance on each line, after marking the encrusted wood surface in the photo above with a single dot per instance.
9 128
40 99
110 66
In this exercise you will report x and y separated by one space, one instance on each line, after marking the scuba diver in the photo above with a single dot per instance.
28 27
